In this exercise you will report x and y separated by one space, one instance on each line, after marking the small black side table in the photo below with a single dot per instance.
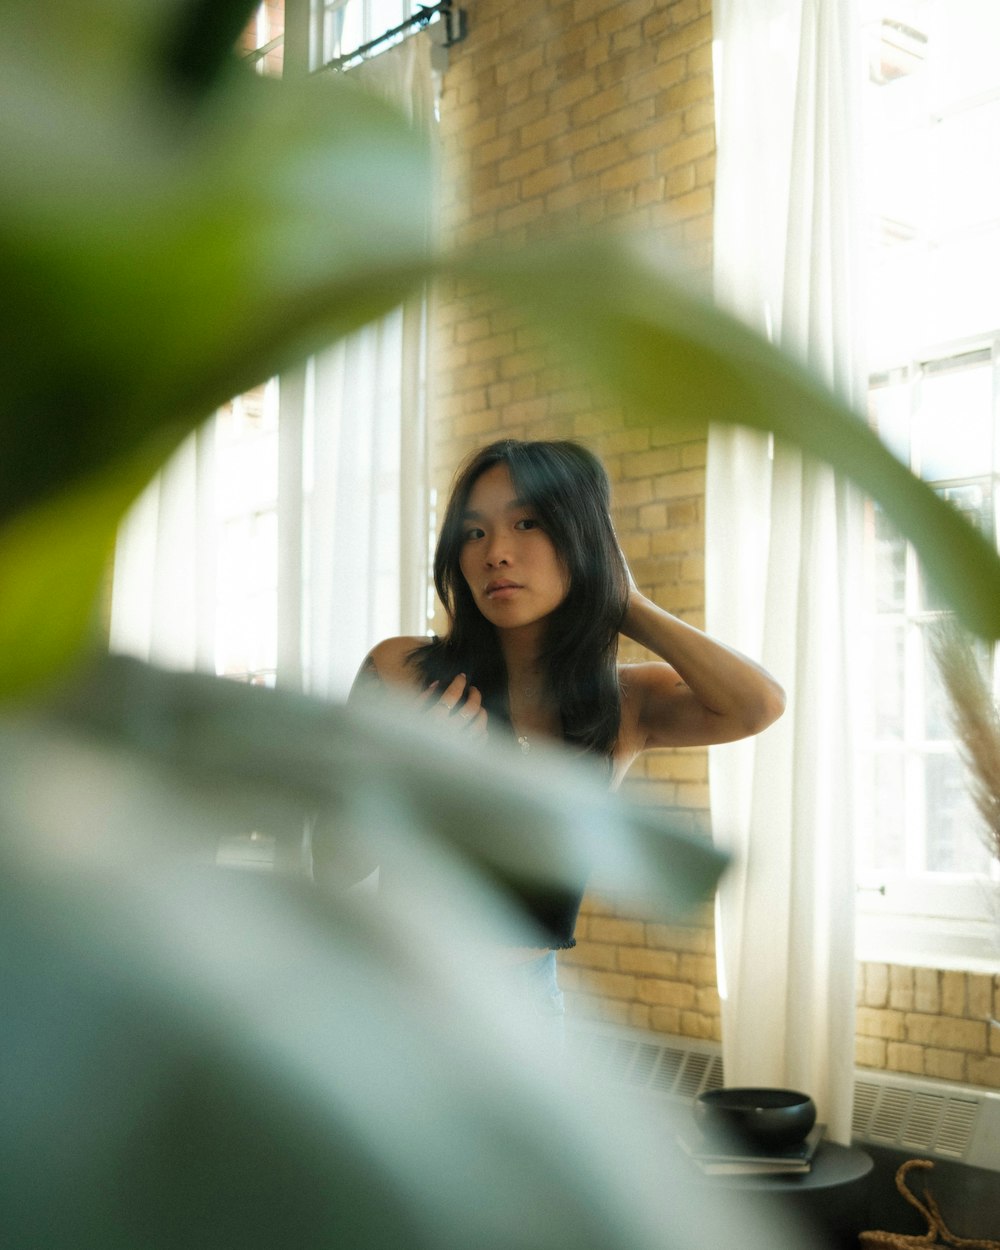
830 1196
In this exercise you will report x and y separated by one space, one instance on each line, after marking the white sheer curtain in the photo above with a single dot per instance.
782 542
365 506
348 488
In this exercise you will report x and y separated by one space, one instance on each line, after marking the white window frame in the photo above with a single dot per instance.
936 919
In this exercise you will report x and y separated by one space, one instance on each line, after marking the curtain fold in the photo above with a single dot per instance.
350 495
783 548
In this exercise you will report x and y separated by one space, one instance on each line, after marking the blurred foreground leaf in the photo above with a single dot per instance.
201 1058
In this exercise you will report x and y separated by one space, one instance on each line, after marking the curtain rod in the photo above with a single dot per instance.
456 26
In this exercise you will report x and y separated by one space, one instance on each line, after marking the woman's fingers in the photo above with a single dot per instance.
460 704
451 696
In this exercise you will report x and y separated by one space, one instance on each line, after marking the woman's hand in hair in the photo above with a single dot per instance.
460 704
701 693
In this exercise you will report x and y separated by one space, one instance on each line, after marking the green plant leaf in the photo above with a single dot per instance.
200 46
676 360
159 262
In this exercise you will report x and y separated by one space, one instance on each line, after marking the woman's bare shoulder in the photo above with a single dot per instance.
388 660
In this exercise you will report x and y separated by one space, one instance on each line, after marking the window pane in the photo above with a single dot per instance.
888 850
889 681
384 15
954 840
954 423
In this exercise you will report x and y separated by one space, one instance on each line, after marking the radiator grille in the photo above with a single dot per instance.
913 1118
675 1068
910 1113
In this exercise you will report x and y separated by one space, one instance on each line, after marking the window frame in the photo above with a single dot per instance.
927 918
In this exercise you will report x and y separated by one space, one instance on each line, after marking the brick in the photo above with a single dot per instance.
596 955
546 180
521 115
926 995
902 1057
876 985
665 1019
693 570
639 1016
678 766
599 157
708 1001
692 93
679 181
979 991
524 162
544 129
662 993
609 984
901 988
700 116
946 1033
699 60
875 1023
945 1065
684 150
625 120
626 40
953 997
623 932
597 54
630 172
679 938
984 1071
694 455
694 1024
670 16
571 92
869 1052
698 969
676 539
684 38
696 204
475 423
653 516
521 65
598 105
634 493
652 963
624 13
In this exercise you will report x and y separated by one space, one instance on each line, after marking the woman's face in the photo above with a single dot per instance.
509 562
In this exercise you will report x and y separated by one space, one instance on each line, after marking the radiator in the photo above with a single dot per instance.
925 1117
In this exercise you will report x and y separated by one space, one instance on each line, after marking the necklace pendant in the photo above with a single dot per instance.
523 743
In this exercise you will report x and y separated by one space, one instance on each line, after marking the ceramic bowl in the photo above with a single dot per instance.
769 1118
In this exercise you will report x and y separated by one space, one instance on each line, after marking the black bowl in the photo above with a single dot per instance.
769 1118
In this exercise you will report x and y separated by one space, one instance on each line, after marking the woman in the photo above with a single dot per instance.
537 593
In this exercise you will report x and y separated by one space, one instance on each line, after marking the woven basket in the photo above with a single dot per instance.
937 1233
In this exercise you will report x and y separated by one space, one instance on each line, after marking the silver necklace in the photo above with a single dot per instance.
523 743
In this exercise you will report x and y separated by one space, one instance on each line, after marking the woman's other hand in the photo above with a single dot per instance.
460 704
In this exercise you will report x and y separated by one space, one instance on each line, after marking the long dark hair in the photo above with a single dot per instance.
567 488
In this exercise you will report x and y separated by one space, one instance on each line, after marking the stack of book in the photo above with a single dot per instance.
735 1159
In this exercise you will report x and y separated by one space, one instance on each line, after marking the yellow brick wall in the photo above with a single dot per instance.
600 113
929 1023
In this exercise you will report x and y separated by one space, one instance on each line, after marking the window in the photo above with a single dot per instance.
344 25
932 116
